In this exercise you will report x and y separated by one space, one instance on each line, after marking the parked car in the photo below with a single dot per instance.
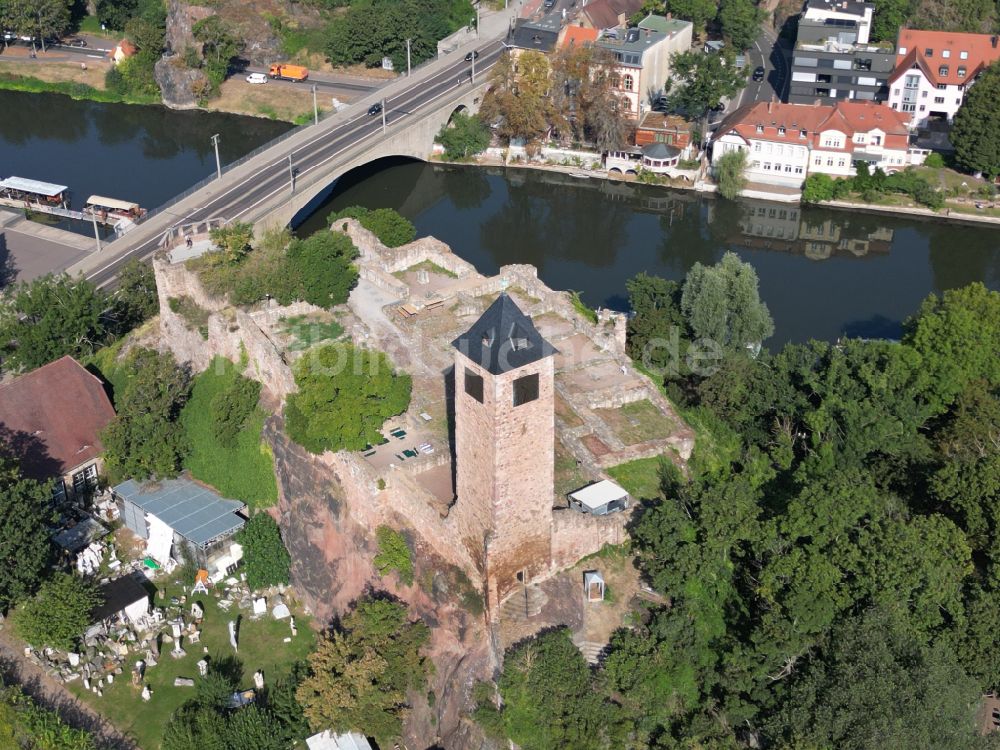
256 78
81 43
474 55
758 74
375 109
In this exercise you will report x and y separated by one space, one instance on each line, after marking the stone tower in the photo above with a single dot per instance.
504 438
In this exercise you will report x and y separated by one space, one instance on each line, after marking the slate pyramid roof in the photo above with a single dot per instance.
503 339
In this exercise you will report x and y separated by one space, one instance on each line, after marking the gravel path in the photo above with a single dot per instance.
53 695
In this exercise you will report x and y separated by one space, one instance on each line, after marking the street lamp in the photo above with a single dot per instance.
218 164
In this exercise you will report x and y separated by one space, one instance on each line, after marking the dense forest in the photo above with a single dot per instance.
829 553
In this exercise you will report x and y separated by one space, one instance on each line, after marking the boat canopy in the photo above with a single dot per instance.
112 203
32 186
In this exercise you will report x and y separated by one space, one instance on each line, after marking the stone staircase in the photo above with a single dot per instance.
523 604
592 651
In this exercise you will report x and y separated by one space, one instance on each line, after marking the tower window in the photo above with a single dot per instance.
474 385
525 389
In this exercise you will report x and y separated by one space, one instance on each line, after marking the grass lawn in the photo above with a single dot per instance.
426 265
640 478
261 646
306 331
244 472
637 422
568 476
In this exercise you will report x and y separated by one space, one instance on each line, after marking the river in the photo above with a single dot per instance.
823 273
143 154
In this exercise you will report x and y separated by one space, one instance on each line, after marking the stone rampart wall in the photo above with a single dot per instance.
576 535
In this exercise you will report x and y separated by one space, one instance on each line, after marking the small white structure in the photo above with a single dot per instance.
593 586
326 740
599 498
124 600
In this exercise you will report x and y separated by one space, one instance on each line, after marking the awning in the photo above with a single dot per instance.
32 186
113 203
599 494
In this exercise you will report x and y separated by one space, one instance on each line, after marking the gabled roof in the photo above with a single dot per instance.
116 595
53 417
912 47
599 493
578 36
663 121
602 14
503 339
194 511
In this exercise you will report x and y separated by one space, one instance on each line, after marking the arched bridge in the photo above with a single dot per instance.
287 180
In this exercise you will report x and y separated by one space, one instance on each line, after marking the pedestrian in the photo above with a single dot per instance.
83 66
33 55
189 242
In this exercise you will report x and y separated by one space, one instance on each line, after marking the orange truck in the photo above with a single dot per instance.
289 72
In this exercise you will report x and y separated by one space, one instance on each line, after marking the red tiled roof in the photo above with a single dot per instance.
51 418
577 36
847 117
981 49
602 14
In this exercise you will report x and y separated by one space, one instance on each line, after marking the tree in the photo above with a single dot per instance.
49 317
231 407
976 132
116 13
465 136
818 187
549 700
741 20
234 240
722 303
393 554
730 173
344 397
219 47
59 613
39 19
583 104
322 262
850 695
703 80
360 673
26 724
698 12
145 439
890 16
134 299
970 16
265 558
25 547
516 102
392 228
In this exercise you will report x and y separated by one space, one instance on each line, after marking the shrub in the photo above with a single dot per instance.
393 554
344 396
934 160
265 558
391 228
232 407
59 613
818 187
323 264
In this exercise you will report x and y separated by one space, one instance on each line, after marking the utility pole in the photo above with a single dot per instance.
383 115
473 66
315 107
408 57
218 164
291 173
97 233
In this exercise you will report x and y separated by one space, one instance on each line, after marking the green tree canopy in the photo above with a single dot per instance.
51 316
146 439
323 263
25 549
58 614
698 12
730 173
265 558
463 137
741 20
701 80
976 131
518 101
360 673
722 303
344 396
134 299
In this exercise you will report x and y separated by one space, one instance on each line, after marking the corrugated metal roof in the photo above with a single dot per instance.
195 512
32 186
100 200
598 494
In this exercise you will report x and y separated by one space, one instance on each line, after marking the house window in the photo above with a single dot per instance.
958 100
943 70
788 167
962 71
756 147
895 106
877 140
929 52
942 86
939 100
627 83
912 82
755 165
760 128
526 389
781 131
963 55
922 107
767 166
818 161
798 170
829 162
895 92
840 163
923 94
474 385
946 53
85 482
802 134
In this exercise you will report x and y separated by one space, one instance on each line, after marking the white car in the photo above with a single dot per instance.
256 78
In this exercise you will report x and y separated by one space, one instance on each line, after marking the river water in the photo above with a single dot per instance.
823 273
142 154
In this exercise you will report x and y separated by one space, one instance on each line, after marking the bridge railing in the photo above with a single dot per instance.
172 235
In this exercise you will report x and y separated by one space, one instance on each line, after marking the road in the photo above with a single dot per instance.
262 184
773 54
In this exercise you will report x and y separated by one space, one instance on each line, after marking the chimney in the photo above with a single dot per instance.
770 104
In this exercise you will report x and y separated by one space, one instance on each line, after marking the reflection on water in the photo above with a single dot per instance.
823 273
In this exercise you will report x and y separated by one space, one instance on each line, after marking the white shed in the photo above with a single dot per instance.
599 498
327 740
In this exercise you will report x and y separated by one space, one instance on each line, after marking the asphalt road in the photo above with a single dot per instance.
774 57
256 188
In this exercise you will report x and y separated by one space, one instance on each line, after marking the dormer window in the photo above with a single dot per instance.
760 128
962 71
803 134
487 339
946 53
929 52
902 50
963 55
781 131
943 70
